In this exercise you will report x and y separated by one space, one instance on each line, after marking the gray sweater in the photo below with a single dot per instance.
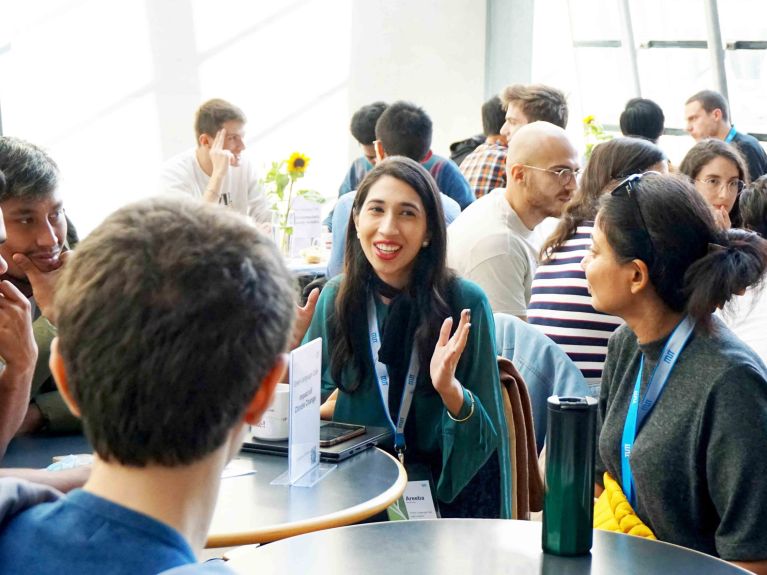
698 462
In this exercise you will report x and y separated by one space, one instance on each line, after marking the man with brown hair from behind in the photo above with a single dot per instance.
173 322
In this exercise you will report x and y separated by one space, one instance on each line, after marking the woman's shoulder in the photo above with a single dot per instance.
726 352
467 294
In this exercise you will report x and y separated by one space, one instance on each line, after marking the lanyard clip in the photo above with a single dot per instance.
401 455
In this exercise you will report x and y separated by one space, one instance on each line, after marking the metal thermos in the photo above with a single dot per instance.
568 502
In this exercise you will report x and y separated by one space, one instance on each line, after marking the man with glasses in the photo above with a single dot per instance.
494 242
708 116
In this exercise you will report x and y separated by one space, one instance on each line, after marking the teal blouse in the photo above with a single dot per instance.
463 447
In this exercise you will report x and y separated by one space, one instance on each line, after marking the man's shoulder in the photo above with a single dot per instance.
182 162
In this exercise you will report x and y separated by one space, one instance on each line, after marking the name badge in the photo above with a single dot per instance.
416 503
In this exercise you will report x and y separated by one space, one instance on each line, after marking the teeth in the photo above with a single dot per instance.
388 249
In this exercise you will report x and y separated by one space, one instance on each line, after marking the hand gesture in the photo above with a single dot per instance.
43 283
220 157
447 353
722 218
304 318
17 342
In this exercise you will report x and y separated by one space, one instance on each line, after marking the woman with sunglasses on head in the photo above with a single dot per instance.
386 326
560 304
683 437
719 173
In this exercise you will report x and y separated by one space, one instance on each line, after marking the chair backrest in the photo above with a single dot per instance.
546 369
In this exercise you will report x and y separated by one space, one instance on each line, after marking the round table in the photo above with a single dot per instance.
249 508
461 546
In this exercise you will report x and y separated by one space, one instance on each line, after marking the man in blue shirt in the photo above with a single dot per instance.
707 114
173 320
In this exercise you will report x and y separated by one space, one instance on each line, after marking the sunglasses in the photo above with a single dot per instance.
629 188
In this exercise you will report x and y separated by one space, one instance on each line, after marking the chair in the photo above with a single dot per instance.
527 482
545 368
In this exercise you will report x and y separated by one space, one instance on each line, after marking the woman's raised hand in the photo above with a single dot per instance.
445 359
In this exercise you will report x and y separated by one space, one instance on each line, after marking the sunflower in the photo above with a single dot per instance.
297 163
588 119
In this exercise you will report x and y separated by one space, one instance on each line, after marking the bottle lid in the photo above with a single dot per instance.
556 403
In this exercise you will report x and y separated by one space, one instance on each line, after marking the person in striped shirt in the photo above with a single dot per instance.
560 304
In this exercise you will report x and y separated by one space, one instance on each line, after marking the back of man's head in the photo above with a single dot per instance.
212 115
404 129
170 315
363 124
711 100
642 117
493 116
29 172
537 102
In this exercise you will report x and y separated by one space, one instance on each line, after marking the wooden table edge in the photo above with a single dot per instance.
341 518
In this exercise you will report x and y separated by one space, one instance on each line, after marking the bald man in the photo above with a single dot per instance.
494 241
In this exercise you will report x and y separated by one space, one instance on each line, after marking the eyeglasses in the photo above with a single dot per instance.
628 188
715 184
564 176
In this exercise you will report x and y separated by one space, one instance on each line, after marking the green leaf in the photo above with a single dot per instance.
312 196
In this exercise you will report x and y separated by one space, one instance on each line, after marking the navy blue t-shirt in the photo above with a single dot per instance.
86 534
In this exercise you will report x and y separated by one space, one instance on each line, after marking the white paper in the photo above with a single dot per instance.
306 219
304 420
418 500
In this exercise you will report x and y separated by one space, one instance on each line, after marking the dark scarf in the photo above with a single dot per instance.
397 335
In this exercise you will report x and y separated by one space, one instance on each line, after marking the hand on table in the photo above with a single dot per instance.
445 359
43 282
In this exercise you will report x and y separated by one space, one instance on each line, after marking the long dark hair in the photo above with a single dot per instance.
613 160
430 279
707 150
753 206
693 265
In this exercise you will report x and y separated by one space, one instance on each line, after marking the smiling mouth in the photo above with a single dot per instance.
387 251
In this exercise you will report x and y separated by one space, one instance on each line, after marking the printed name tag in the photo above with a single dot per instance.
415 503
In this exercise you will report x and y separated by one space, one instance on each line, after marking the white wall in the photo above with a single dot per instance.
109 87
431 52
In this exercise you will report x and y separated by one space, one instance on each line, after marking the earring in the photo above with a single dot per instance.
358 235
425 244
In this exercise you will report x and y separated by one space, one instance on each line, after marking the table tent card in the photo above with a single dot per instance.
306 219
304 467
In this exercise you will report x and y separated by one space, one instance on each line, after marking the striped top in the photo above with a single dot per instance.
560 306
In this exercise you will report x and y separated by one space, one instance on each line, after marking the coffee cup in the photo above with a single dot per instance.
274 423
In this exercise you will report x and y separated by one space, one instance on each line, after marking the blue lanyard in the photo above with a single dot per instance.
382 376
639 410
730 135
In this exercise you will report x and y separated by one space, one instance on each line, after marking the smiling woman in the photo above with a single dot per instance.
386 328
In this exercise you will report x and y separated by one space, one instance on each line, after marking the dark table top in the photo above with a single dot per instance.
249 508
464 546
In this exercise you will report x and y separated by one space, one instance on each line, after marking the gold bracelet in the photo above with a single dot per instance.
471 410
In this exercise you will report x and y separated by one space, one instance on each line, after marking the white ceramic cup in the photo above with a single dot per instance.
274 424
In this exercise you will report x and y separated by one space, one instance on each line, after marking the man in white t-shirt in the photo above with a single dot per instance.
215 171
494 241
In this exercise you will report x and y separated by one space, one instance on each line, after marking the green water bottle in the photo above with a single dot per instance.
568 502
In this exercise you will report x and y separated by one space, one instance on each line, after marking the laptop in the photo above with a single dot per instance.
332 454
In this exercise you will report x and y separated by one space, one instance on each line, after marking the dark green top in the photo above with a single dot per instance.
460 449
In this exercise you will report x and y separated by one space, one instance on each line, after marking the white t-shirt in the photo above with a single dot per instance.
240 190
746 316
489 245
